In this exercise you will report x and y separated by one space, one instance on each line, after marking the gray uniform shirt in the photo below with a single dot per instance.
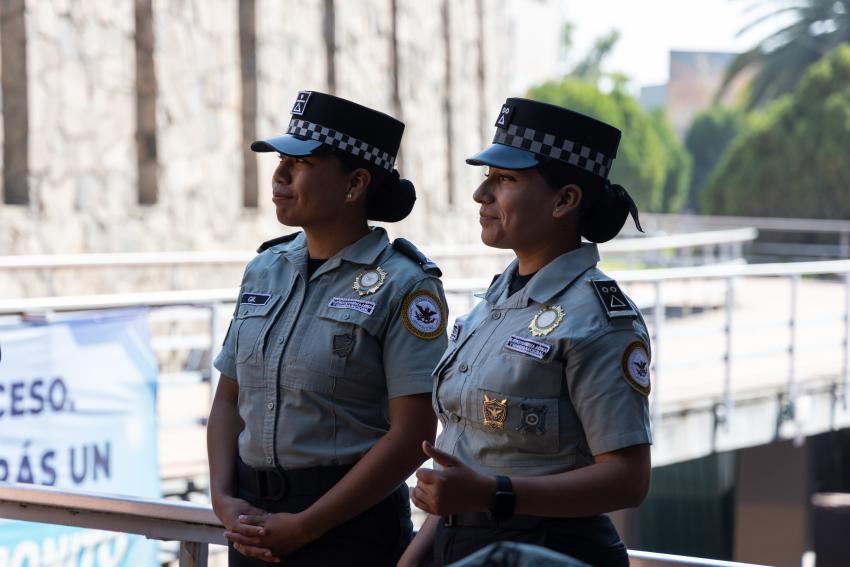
317 362
539 382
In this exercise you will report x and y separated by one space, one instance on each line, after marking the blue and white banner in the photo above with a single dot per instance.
78 412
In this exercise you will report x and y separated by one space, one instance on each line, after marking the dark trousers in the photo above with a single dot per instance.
593 540
376 537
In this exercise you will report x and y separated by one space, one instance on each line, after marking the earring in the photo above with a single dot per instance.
349 196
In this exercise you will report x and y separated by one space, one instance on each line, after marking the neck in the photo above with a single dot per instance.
532 259
324 242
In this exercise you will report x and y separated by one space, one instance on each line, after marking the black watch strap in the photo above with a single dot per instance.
504 500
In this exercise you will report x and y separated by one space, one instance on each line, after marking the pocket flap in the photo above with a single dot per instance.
360 312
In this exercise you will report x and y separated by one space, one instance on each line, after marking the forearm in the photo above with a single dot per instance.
422 545
223 430
596 489
380 471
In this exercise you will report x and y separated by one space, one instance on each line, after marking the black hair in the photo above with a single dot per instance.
604 207
389 198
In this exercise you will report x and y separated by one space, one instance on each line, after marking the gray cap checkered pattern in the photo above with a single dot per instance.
561 149
341 141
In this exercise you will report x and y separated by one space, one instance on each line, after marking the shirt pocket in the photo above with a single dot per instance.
343 343
511 429
522 374
252 325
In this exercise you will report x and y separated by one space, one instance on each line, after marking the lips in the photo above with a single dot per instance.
486 217
279 194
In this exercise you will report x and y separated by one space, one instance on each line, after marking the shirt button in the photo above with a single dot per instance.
280 340
270 405
346 316
496 315
269 460
464 367
454 417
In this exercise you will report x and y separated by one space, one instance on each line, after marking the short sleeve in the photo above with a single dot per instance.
225 362
608 381
416 339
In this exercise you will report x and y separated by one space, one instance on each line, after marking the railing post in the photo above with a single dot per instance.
657 323
193 554
727 376
844 245
792 347
845 395
215 335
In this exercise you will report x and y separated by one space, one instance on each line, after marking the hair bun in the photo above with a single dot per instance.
608 214
392 200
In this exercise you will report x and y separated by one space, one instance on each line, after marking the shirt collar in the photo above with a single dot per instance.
550 280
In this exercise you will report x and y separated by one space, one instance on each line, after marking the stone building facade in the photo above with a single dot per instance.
134 115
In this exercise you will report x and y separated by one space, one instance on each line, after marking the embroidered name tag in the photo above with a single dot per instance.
455 332
535 349
360 305
255 298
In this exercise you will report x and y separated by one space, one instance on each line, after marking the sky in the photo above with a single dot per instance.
651 28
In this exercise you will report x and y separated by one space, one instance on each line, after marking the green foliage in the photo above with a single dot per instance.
793 160
782 58
651 163
708 137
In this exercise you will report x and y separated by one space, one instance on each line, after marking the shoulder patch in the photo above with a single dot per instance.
423 314
407 248
635 365
275 241
613 300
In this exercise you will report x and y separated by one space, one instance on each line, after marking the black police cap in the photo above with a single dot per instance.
529 132
319 118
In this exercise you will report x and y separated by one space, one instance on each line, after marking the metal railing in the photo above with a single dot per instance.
194 526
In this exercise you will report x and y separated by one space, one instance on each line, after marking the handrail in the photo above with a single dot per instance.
151 259
761 223
456 285
194 525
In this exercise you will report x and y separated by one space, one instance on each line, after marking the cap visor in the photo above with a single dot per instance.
504 157
287 145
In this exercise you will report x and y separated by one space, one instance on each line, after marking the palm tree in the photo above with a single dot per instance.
780 60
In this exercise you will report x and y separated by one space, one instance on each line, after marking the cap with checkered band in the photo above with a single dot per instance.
529 133
321 119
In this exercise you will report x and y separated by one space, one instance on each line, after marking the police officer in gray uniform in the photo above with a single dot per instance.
324 397
542 393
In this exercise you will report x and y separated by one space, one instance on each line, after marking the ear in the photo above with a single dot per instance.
358 184
567 201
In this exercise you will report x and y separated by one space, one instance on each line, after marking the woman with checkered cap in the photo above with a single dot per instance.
324 397
542 393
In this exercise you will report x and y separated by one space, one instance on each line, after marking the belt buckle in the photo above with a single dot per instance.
271 489
449 520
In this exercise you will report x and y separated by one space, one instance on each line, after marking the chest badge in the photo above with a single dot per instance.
369 281
546 320
533 419
495 412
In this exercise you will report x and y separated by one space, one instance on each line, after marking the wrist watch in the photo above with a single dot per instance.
504 500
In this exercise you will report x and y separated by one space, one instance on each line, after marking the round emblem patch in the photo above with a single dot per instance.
635 363
423 315
545 320
369 281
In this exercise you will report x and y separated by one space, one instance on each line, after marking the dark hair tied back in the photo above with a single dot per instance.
391 199
607 214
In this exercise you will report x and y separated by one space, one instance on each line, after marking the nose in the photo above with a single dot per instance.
483 194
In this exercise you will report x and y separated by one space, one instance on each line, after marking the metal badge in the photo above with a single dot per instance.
546 320
532 420
635 365
369 281
495 412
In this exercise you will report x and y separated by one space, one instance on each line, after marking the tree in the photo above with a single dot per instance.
651 163
708 137
782 58
793 160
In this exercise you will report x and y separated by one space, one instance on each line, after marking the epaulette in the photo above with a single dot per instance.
408 249
275 241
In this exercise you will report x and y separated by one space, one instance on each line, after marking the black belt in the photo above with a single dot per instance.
484 520
274 484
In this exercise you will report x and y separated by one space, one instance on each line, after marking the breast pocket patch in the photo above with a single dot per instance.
528 347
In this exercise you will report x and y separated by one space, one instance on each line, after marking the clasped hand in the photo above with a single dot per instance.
453 489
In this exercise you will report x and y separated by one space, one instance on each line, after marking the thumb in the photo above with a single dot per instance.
439 457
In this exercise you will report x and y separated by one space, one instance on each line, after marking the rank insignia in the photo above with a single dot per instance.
423 314
369 281
342 345
546 320
495 412
532 420
635 365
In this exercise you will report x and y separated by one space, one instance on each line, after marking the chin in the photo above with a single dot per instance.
493 240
